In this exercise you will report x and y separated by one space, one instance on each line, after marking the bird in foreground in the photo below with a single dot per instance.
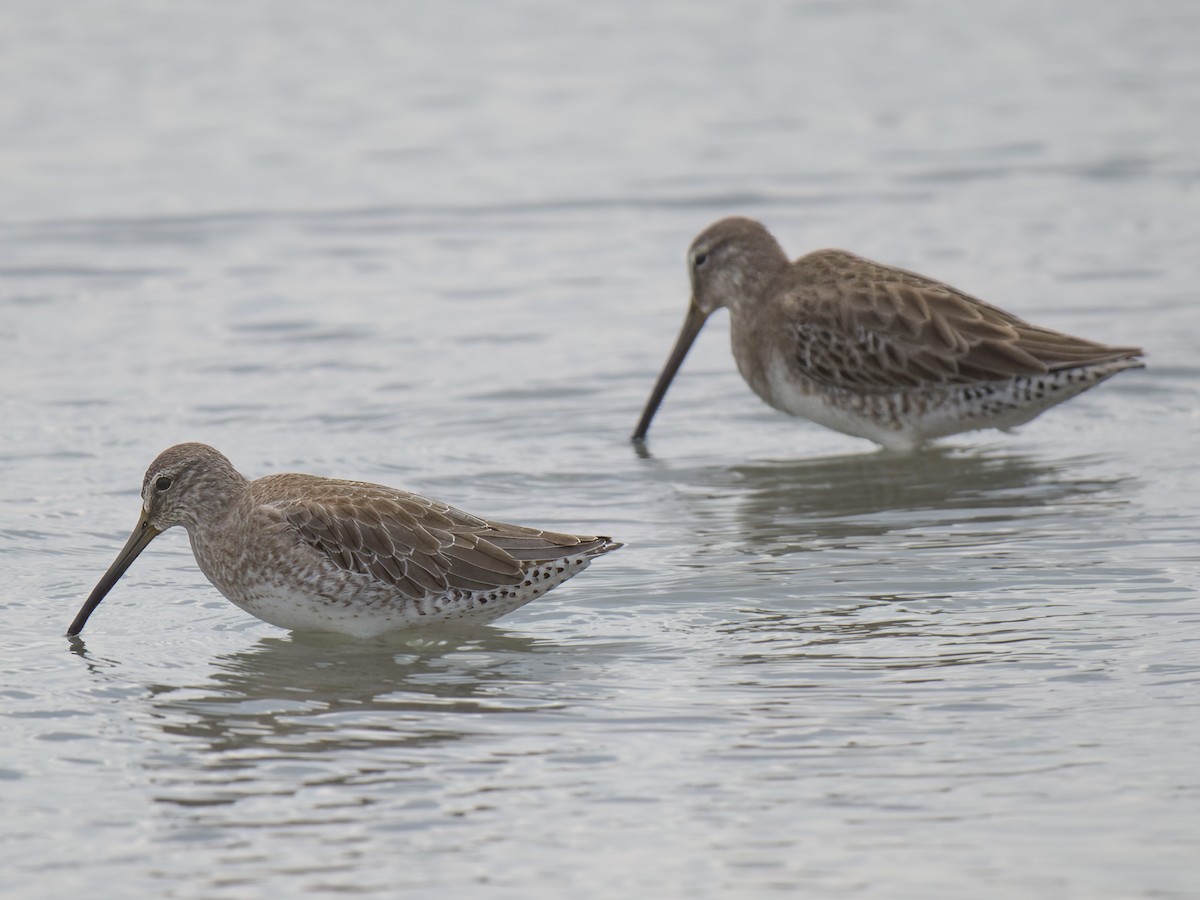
874 351
319 554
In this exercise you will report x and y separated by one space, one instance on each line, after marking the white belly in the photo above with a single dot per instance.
861 415
904 419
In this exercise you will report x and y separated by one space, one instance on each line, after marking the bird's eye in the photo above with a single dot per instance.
701 259
162 482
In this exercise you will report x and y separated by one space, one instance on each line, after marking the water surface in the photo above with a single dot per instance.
445 252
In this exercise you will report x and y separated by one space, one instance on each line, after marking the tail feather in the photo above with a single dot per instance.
551 546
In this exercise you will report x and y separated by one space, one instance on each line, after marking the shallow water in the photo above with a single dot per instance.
445 252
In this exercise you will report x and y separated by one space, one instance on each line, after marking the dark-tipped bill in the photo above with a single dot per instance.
142 535
692 324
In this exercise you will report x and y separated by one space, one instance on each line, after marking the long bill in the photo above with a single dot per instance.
143 534
692 324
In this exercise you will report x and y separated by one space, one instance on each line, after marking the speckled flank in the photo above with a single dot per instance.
365 613
319 554
904 420
875 351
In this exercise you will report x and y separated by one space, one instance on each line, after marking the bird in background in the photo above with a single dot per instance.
875 351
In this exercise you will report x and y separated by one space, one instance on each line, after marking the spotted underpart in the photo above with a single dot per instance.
481 606
360 607
906 419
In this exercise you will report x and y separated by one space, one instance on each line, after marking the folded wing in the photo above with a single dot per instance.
423 547
886 329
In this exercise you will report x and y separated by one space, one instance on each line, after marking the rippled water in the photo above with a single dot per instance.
445 251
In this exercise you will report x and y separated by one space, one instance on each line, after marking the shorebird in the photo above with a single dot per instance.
874 351
319 554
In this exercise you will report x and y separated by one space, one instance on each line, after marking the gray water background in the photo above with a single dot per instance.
441 246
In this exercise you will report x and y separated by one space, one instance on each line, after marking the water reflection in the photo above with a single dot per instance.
296 736
779 505
291 692
339 707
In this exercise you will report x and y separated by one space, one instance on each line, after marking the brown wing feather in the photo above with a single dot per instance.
417 545
865 326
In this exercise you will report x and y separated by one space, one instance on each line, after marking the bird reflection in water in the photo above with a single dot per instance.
785 506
